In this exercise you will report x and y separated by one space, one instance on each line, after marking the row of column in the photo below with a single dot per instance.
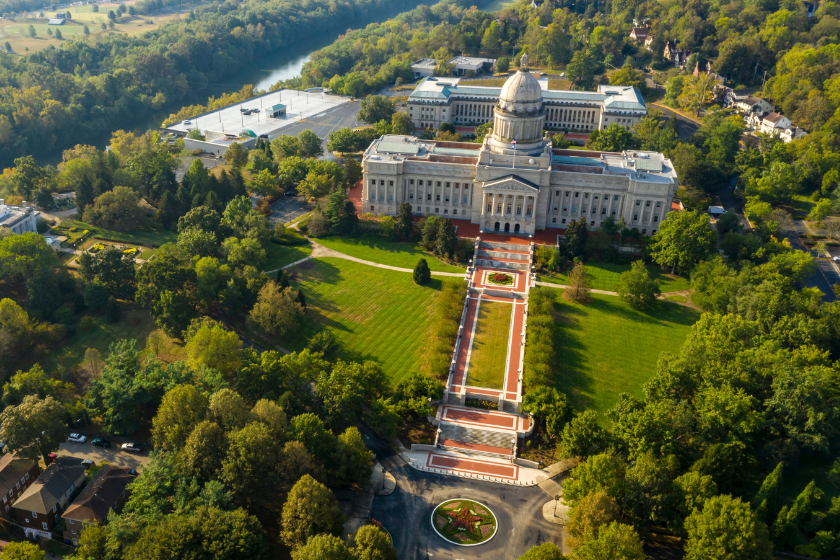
513 206
561 115
573 206
474 110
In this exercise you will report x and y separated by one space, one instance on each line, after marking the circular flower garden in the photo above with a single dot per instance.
500 278
464 522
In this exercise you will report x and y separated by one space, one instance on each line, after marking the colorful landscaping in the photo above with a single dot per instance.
500 278
464 522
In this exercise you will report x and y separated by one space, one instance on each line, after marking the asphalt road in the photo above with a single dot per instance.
687 126
406 513
114 455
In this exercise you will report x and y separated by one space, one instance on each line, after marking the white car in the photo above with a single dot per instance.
837 259
77 438
562 74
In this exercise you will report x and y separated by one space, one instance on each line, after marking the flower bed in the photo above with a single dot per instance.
482 403
500 278
96 248
464 522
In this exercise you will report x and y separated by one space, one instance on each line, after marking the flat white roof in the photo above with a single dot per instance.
230 120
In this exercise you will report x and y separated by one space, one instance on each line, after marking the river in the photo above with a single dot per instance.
282 64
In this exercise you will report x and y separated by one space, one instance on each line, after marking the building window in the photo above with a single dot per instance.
489 207
553 220
438 183
563 221
655 219
34 515
659 204
567 194
499 209
448 184
447 198
437 197
528 210
446 211
615 197
437 210
647 203
429 196
411 181
411 196
518 209
420 182
390 183
455 211
603 211
382 182
635 217
373 182
371 208
44 525
466 199
591 223
577 194
466 187
509 207
638 203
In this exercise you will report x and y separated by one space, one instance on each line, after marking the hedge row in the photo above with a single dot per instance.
540 351
444 329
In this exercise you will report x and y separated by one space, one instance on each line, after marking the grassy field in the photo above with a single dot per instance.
135 323
490 344
559 83
394 253
278 256
16 31
606 348
139 237
375 314
497 5
604 276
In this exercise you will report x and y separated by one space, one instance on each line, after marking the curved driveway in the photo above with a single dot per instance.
406 512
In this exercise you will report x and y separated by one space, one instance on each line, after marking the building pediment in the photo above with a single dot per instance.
512 183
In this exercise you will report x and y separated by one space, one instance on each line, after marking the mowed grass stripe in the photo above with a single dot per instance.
375 314
605 276
606 348
490 344
381 251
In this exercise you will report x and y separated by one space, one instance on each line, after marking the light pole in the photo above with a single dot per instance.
556 500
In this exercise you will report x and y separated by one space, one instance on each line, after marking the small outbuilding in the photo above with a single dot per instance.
276 111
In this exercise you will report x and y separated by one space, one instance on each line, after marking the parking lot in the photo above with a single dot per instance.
325 122
113 455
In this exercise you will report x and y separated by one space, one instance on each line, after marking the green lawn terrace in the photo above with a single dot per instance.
605 276
606 348
375 314
488 355
382 251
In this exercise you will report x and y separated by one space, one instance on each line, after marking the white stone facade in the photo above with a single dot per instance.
521 190
19 219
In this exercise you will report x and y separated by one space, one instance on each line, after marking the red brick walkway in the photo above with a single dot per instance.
480 418
472 466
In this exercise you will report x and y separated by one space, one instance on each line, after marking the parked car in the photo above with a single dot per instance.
837 259
99 442
131 447
77 438
187 122
562 74
88 463
246 112
257 110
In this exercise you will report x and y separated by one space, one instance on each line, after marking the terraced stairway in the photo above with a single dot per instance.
476 441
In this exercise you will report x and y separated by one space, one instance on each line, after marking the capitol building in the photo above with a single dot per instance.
515 181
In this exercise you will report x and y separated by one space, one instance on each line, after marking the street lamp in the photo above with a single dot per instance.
556 500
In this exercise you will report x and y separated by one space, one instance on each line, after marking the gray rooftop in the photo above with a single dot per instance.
51 485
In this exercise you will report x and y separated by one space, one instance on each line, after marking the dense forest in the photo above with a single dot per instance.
60 97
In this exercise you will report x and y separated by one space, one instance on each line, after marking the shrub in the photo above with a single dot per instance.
445 323
87 323
422 274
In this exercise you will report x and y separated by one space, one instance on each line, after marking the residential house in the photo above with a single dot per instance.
639 34
648 41
16 475
774 124
106 492
810 8
674 54
39 507
752 104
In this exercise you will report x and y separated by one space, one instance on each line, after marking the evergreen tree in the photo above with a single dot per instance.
446 239
422 274
404 225
576 235
767 500
301 299
282 279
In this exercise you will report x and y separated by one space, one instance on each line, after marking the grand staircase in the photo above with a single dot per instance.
463 438
502 255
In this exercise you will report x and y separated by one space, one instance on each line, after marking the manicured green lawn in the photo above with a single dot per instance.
151 237
134 323
278 256
605 348
490 344
604 276
394 253
375 314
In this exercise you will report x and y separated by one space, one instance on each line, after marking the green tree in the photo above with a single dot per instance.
24 256
581 435
352 461
181 409
683 240
311 432
545 551
401 124
616 540
110 267
628 76
236 156
118 209
324 547
251 466
372 543
404 226
311 509
205 534
581 70
214 347
594 511
96 295
229 410
22 551
579 286
311 144
34 382
205 449
173 313
375 108
689 493
549 407
637 288
43 296
93 543
422 274
726 529
276 310
341 140
86 31
445 240
34 428
599 472
576 236
614 138
790 521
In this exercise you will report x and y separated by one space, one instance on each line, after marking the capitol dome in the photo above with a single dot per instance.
519 117
521 92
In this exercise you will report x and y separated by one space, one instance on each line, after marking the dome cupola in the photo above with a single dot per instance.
519 116
521 92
